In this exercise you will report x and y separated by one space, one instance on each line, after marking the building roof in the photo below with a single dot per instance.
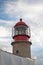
20 23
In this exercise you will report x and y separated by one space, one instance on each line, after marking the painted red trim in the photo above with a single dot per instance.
21 37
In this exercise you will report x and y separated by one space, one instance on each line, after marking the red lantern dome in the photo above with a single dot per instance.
21 31
21 23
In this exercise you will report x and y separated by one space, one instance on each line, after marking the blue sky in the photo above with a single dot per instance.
31 11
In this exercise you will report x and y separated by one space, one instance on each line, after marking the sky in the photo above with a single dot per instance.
31 11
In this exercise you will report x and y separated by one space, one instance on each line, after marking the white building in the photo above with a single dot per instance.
7 58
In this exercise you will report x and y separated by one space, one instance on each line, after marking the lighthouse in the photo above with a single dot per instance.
21 36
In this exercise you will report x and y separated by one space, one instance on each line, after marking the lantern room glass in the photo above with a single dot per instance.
20 30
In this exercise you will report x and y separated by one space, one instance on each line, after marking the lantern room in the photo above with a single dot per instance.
21 31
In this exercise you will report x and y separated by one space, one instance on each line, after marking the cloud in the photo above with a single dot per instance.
33 1
6 32
6 23
14 10
35 39
26 11
3 32
6 48
32 14
21 9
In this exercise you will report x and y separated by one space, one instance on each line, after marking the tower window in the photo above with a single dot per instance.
17 51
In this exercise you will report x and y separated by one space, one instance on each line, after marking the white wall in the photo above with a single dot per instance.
10 59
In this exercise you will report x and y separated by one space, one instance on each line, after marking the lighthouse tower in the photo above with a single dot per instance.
21 36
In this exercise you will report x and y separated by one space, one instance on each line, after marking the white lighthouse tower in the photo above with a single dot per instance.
21 35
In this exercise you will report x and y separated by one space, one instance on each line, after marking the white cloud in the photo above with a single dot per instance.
32 1
6 28
4 39
4 32
7 23
37 37
6 48
32 12
24 10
